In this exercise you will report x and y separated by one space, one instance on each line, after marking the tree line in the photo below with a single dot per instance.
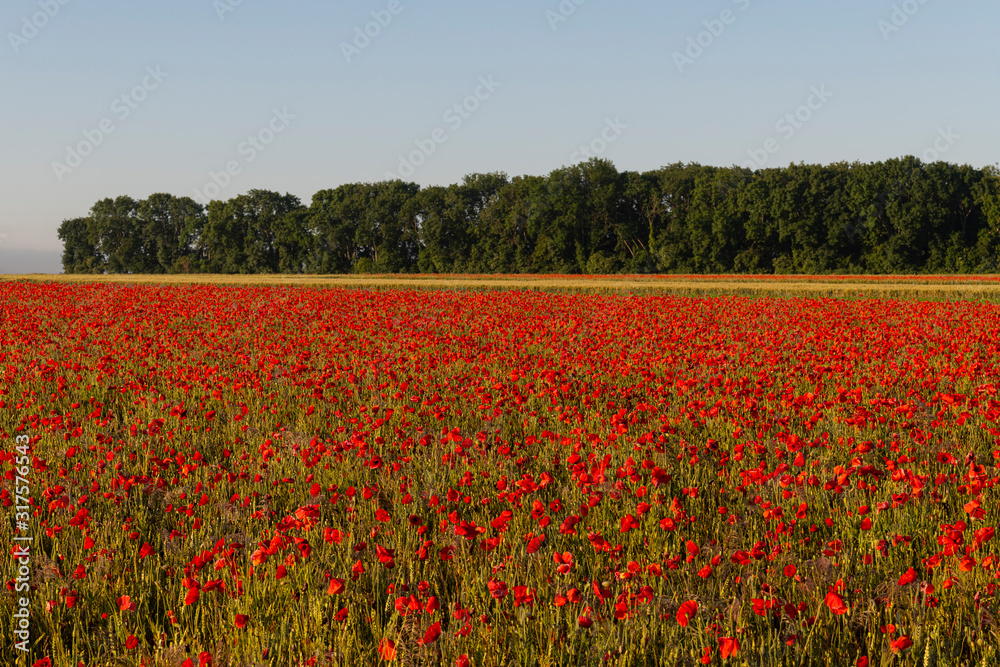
896 216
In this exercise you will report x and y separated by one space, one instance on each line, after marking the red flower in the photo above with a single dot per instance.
386 556
901 644
387 649
686 611
728 646
498 589
908 577
131 642
628 522
336 587
524 596
835 603
601 592
241 620
431 635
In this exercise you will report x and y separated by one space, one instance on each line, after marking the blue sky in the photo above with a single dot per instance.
211 83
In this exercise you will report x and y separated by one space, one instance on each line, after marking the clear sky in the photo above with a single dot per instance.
295 97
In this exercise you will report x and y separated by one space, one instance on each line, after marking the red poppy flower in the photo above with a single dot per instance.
431 635
728 646
498 589
836 603
900 644
387 650
686 611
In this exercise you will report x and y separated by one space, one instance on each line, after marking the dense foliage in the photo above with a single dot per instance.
274 476
898 216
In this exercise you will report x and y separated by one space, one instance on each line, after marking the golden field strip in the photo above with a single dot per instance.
985 287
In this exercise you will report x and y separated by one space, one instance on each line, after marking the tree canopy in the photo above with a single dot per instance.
896 216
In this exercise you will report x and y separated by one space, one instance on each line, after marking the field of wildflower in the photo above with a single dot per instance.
254 475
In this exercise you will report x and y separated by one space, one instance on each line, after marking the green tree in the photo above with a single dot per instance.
503 242
170 226
80 253
119 236
241 235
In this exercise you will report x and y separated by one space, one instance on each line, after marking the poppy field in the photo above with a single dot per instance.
238 476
